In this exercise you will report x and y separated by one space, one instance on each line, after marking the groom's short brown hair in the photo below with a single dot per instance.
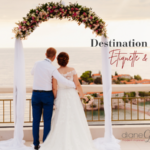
51 52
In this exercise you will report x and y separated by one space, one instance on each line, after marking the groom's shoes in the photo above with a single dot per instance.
36 147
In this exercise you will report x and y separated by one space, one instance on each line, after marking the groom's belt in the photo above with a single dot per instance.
41 91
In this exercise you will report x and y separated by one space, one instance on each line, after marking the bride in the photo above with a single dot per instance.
70 130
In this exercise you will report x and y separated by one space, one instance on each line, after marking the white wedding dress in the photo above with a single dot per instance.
69 130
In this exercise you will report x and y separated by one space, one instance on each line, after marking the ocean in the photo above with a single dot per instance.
81 59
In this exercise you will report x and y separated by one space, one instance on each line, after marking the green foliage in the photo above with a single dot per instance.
124 99
94 94
116 73
116 82
87 76
118 79
142 94
137 77
121 79
130 94
101 101
98 80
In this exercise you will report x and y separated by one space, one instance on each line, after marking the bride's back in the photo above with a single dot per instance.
67 72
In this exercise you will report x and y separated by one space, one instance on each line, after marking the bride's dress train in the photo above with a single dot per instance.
69 127
70 130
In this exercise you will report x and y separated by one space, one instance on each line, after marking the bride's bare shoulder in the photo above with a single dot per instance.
58 68
71 69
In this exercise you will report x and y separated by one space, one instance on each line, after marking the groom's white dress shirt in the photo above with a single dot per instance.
43 71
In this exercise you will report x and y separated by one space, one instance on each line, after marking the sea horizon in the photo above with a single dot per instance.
81 58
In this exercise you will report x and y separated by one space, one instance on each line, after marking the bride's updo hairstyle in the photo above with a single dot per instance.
63 59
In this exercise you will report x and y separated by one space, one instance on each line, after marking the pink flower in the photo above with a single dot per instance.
91 17
76 9
75 14
37 11
65 9
49 9
33 18
84 20
54 7
84 14
60 9
20 27
24 22
72 9
97 21
96 30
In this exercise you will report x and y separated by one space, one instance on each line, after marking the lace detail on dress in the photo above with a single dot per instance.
69 76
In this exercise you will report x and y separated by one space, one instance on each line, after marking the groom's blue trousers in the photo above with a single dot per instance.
41 101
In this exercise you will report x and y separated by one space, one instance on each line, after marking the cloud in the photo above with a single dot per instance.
107 9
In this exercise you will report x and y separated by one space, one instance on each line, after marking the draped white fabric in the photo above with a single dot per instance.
17 142
108 142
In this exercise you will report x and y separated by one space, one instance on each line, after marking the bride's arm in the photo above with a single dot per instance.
78 85
54 87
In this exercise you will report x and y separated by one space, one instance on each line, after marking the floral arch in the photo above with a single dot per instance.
46 11
42 13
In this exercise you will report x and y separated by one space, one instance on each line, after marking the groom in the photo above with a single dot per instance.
42 96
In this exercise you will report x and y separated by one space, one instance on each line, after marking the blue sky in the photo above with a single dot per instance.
126 20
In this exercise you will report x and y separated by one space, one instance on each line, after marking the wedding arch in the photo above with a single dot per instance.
24 28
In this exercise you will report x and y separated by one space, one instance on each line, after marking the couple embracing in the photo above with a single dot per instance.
69 129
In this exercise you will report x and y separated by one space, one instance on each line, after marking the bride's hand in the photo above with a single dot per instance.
84 97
